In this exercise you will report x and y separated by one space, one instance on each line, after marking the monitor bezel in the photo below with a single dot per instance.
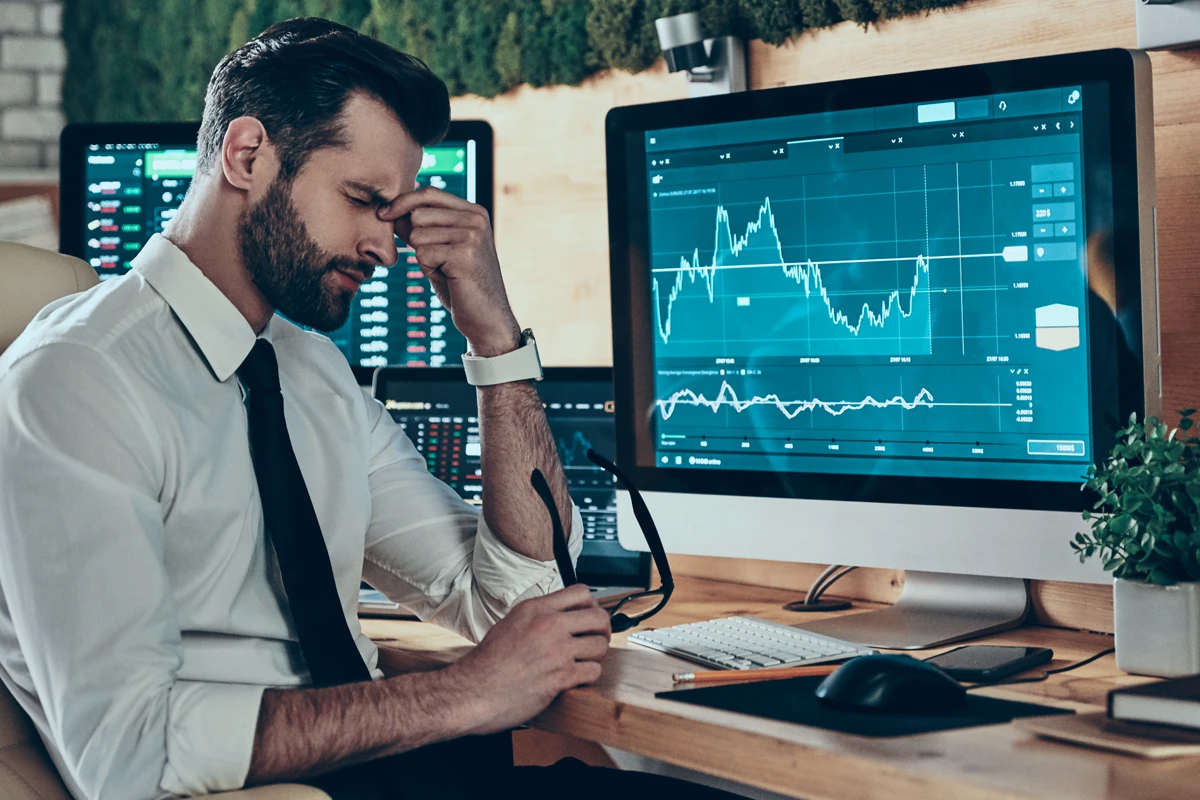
73 173
595 572
635 451
481 131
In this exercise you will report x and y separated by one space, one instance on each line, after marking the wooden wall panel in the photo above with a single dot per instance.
551 212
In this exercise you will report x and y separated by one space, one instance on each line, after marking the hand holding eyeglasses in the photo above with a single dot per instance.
553 643
619 621
543 647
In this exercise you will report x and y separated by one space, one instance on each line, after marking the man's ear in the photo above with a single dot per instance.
247 156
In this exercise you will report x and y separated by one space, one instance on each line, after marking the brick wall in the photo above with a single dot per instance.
32 58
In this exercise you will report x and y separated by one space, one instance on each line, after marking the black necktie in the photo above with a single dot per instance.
294 532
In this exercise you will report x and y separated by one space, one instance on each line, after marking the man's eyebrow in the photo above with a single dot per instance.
375 193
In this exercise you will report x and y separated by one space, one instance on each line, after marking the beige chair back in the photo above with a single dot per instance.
29 279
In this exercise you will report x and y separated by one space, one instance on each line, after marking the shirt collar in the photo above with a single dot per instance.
214 323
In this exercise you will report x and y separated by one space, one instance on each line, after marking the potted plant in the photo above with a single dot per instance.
1145 527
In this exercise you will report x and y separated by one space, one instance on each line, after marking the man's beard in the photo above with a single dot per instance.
289 268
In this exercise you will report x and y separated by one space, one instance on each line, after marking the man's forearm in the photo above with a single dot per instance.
307 732
515 438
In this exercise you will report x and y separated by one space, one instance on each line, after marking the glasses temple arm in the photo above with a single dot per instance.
562 556
642 514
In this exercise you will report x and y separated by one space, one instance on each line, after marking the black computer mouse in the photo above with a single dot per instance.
890 683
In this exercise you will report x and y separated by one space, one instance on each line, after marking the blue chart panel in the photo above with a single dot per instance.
824 264
917 311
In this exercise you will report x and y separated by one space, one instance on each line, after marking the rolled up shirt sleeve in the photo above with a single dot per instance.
432 552
210 736
90 640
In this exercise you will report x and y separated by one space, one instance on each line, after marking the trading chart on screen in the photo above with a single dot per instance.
901 301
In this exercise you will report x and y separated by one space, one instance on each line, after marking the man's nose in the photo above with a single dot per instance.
380 247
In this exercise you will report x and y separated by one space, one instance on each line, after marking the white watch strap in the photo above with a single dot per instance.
522 364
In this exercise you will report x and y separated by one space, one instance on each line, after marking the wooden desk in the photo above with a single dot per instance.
987 762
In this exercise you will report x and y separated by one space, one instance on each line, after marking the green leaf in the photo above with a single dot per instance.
1145 512
1160 578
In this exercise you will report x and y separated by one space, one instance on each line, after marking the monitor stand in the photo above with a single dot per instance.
934 609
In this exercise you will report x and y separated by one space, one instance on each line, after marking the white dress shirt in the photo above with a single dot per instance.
141 608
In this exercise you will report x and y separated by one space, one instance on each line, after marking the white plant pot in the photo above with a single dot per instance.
1157 628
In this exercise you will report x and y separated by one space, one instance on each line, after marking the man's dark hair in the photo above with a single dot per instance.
296 77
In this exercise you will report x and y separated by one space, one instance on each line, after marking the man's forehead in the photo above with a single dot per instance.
379 152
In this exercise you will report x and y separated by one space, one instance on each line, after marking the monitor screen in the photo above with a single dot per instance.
440 415
890 284
838 283
122 184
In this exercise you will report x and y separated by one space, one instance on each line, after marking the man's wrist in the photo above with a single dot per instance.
475 713
504 340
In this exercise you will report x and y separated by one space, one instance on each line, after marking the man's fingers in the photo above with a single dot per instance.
590 648
432 256
447 218
584 621
577 596
422 236
429 196
585 672
404 228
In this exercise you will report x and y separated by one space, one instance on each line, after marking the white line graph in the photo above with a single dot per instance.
806 274
727 397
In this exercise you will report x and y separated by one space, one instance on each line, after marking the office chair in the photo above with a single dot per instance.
29 279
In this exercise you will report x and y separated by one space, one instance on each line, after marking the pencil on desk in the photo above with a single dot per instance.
739 675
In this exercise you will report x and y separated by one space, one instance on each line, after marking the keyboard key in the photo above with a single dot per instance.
764 661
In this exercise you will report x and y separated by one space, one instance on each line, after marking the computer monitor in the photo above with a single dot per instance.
122 183
887 322
439 412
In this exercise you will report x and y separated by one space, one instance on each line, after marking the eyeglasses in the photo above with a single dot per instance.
619 621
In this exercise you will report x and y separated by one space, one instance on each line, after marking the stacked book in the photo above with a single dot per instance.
1175 703
1157 720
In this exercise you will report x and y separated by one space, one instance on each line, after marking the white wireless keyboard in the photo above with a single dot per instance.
747 643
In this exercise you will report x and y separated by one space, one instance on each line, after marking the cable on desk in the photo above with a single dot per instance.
812 601
1046 674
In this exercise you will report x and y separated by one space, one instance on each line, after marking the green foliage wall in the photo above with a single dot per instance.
132 60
